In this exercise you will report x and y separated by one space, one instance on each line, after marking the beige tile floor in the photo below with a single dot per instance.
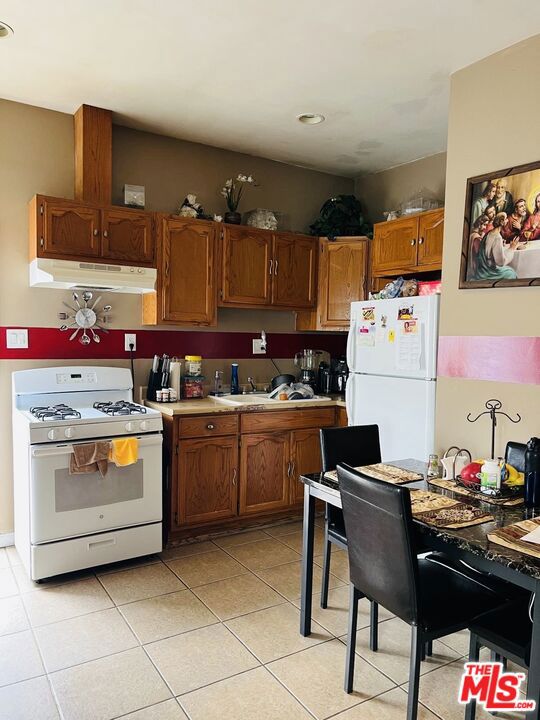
206 631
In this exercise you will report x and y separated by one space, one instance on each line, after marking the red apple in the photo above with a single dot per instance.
469 474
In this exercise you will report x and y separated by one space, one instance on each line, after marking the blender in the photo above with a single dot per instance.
308 362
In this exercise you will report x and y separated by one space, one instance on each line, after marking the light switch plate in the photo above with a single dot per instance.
257 347
17 339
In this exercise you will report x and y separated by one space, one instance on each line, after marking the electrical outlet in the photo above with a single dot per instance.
258 347
130 339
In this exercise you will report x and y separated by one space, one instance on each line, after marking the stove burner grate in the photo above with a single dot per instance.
55 412
120 407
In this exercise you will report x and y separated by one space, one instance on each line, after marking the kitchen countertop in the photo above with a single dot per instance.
209 406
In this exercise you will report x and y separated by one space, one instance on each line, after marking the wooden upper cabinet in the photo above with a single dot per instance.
430 237
394 245
186 281
128 236
295 270
65 230
305 459
73 230
342 280
264 472
207 483
247 264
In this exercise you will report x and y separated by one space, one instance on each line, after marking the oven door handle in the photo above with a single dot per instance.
67 449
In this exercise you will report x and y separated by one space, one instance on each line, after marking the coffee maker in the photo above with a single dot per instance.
332 377
308 362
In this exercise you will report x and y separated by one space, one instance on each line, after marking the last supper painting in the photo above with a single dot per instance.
501 233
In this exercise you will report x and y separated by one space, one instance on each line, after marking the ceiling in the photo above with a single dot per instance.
236 75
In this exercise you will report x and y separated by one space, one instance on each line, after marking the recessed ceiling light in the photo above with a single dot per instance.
311 118
5 30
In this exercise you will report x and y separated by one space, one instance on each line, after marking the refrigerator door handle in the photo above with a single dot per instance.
349 401
350 345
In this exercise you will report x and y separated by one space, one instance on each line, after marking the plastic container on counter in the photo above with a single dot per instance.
193 365
192 386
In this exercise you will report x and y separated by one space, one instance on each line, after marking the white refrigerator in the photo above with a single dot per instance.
392 359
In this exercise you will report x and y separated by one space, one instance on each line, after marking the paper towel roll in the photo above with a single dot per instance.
175 376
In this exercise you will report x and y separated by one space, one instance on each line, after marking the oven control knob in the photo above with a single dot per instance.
52 435
144 425
130 426
69 432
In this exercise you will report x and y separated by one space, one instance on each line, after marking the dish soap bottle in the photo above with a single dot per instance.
235 387
532 473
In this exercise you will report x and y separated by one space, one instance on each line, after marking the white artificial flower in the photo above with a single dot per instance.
242 178
250 179
228 183
192 199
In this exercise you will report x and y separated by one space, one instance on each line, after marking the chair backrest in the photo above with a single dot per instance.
354 445
515 455
382 555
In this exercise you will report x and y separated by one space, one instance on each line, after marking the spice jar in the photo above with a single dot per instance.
193 365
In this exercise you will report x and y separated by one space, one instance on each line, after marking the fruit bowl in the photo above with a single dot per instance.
506 491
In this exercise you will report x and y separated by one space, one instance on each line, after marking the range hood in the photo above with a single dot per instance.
65 274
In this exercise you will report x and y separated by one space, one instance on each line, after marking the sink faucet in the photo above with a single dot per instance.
253 386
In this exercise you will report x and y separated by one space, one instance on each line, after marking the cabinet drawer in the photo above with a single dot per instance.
208 425
288 420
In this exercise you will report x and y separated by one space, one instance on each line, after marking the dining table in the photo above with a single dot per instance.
469 544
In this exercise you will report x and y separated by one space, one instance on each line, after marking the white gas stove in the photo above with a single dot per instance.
66 522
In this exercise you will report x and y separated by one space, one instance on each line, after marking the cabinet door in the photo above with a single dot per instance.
430 238
69 230
128 237
295 268
247 265
188 292
342 280
394 245
306 458
207 480
264 467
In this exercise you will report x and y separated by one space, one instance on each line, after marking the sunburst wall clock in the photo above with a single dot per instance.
86 317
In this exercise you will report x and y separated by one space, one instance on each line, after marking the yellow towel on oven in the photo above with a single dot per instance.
124 451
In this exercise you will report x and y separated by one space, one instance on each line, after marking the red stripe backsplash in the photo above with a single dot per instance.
51 344
502 359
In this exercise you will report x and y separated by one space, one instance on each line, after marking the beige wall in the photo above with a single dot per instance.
501 139
36 151
385 190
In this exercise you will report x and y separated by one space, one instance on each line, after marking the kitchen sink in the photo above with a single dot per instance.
257 399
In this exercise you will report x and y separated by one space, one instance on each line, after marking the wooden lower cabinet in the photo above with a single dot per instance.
207 485
264 472
229 470
305 458
342 419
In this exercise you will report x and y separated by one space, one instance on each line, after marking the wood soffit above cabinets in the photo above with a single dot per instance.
93 154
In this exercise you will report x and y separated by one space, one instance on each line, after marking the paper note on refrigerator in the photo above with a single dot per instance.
409 347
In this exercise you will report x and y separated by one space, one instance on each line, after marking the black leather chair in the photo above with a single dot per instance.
435 598
507 633
354 445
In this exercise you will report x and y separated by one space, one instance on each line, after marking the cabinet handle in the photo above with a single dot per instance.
234 476
167 268
413 242
271 266
275 267
96 232
292 468
41 242
210 426
289 469
105 234
421 241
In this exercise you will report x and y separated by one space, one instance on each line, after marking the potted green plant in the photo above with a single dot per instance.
341 215
232 192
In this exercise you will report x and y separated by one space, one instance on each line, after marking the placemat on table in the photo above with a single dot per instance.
460 490
510 537
440 511
382 471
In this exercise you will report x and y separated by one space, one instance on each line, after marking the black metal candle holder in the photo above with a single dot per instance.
493 408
